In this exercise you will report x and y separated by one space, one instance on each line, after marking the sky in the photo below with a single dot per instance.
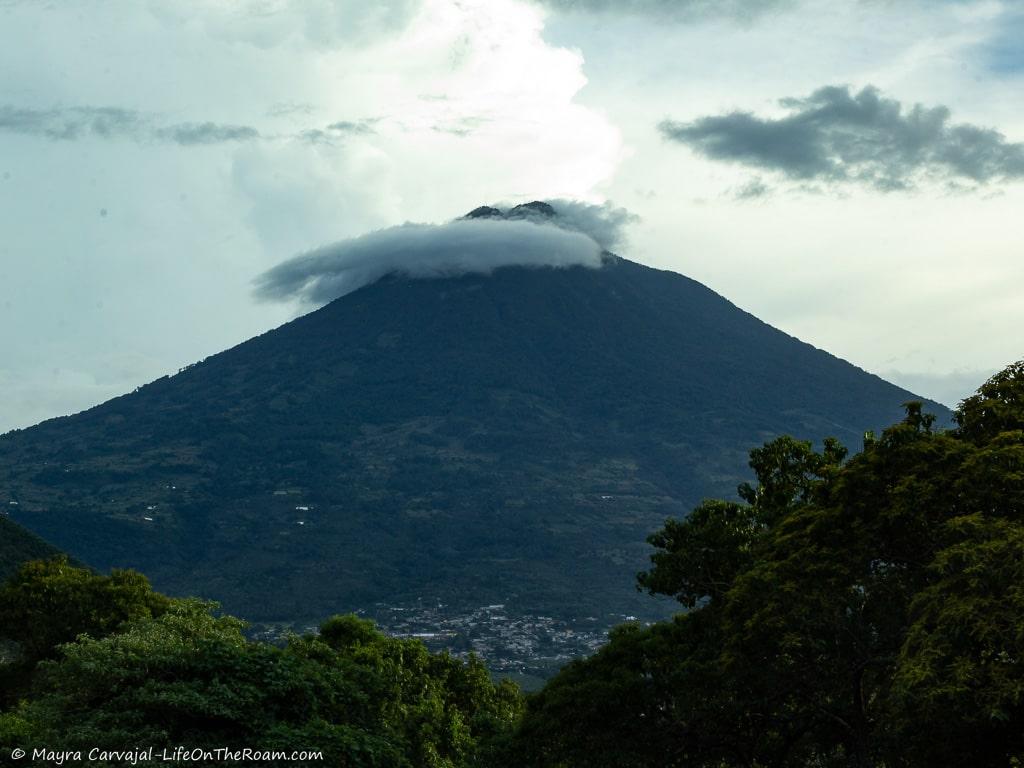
851 172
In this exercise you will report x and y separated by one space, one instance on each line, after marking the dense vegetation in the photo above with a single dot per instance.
487 439
104 662
848 612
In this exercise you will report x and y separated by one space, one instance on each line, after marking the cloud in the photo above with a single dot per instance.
604 223
342 129
69 124
835 136
753 190
116 123
532 236
206 133
74 123
462 127
358 127
678 10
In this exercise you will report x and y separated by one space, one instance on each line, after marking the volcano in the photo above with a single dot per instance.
510 437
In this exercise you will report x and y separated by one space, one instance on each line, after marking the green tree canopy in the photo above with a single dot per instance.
50 602
174 674
845 612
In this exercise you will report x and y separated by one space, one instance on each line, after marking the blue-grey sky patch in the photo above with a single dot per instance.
838 136
1004 53
948 388
290 109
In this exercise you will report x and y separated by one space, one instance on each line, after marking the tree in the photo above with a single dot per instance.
188 677
50 602
959 688
846 612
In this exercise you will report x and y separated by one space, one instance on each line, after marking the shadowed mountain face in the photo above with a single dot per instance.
18 546
505 438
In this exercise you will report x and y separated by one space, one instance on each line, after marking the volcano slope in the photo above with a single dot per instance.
18 546
511 437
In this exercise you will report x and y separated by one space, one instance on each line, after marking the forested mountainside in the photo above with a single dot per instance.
504 438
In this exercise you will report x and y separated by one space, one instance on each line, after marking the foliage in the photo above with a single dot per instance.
47 603
860 612
179 675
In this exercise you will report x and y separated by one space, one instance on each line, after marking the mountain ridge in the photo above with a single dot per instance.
493 438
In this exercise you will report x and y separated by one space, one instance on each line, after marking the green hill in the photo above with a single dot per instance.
18 546
510 438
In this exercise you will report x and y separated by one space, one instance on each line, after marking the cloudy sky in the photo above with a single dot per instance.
850 171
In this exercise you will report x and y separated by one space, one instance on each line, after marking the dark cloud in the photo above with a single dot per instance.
753 190
70 123
679 10
206 133
562 234
835 136
317 136
359 127
342 129
75 123
461 126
